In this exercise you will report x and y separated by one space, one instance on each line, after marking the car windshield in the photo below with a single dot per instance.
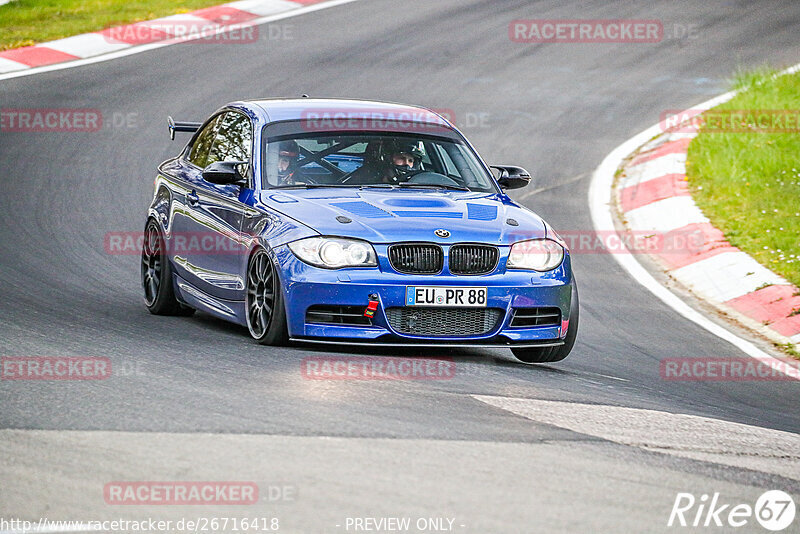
373 159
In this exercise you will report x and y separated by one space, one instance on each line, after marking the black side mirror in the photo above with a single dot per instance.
512 177
224 173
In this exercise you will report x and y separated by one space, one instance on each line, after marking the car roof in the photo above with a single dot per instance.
283 109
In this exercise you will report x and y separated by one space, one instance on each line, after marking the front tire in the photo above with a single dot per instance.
558 353
264 307
159 295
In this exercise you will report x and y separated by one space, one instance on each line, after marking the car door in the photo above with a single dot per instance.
187 173
213 254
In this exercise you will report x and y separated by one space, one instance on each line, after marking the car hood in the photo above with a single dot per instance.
388 216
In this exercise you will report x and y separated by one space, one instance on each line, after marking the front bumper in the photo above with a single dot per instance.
305 286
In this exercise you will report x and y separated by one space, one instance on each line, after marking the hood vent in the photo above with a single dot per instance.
481 212
363 209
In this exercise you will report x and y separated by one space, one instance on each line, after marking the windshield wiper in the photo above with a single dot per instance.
311 186
435 186
376 186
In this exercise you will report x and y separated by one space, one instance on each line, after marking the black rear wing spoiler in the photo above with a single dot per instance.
175 126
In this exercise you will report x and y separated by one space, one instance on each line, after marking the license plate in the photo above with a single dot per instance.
474 297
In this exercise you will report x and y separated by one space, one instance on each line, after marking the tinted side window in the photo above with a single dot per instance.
202 144
233 140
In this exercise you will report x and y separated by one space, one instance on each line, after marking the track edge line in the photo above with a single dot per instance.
601 205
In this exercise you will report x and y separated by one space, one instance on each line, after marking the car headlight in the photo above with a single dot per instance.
536 254
334 253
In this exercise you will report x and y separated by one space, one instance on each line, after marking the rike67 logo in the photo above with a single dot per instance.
774 510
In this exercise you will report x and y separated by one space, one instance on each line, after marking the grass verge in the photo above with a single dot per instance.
747 181
27 22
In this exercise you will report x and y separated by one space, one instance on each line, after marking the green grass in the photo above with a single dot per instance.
789 349
748 184
27 22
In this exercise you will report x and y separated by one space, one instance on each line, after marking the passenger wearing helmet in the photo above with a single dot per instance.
288 156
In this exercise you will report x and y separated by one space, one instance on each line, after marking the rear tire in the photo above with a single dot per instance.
264 306
558 353
159 294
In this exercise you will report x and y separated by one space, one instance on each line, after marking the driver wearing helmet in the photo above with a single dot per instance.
288 157
406 157
386 162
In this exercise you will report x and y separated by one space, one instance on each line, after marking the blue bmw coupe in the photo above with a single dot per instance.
354 222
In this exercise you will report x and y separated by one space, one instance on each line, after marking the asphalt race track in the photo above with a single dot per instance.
201 401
